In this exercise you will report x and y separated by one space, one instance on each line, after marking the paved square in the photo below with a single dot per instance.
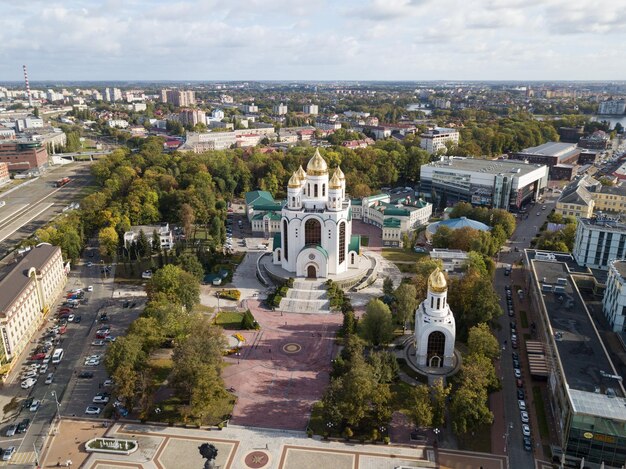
283 369
301 458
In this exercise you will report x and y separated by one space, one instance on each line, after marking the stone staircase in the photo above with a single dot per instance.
306 296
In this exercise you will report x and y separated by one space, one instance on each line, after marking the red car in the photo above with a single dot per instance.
62 329
102 335
38 356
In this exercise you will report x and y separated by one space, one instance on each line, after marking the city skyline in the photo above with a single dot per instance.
394 40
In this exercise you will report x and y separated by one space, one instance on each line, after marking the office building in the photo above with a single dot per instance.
310 109
434 140
614 301
29 291
23 155
599 241
279 109
493 183
586 395
560 158
599 140
28 123
612 107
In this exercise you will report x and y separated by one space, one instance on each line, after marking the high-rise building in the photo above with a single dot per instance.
179 98
614 301
310 109
599 241
435 139
280 109
612 107
192 117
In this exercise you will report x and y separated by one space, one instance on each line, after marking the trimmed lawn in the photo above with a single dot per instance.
161 369
230 320
397 254
406 268
523 317
542 420
131 271
401 396
479 441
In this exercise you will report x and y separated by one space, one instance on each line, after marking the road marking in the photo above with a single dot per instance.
46 207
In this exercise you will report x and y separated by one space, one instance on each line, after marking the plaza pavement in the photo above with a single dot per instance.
243 448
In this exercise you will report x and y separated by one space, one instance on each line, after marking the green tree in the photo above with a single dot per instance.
388 286
384 366
481 341
177 285
125 350
187 219
469 410
108 240
377 324
143 245
190 263
421 406
406 302
423 268
440 395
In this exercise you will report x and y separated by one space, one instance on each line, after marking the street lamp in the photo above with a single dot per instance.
436 431
56 400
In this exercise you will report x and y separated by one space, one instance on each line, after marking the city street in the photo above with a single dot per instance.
512 439
76 343
33 204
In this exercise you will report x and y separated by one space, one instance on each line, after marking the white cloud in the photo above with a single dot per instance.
315 39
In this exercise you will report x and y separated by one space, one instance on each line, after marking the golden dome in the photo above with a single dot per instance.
437 281
335 182
301 174
317 166
340 174
294 181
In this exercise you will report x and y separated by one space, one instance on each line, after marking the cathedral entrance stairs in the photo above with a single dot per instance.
306 296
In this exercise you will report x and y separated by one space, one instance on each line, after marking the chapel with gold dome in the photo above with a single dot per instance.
435 328
316 238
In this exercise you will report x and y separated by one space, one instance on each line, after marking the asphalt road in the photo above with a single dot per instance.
31 206
526 229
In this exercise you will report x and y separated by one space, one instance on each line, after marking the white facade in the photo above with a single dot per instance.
29 291
119 123
166 237
435 139
316 226
612 107
435 328
310 109
614 301
250 108
324 124
598 242
280 109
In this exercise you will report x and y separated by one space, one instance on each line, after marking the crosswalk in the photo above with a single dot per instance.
20 458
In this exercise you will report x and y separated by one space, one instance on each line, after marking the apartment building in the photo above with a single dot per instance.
586 195
192 117
435 139
279 109
179 98
310 109
599 241
28 292
612 107
614 301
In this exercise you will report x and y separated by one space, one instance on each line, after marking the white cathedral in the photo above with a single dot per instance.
316 224
435 329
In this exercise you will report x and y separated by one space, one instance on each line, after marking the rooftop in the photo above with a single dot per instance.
603 223
620 266
17 279
583 358
558 149
486 166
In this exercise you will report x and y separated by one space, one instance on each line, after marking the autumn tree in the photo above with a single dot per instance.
406 302
481 341
421 408
376 324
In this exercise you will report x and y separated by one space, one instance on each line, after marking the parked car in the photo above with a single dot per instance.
108 382
23 426
28 383
8 453
34 407
85 374
526 429
43 369
92 362
90 288
524 416
516 364
49 378
518 373
521 404
519 382
93 410
77 319
528 445
110 338
71 317
101 398
520 394
98 343
10 431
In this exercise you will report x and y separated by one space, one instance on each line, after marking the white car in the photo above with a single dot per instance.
71 317
518 373
8 453
93 410
92 357
43 369
100 399
98 343
146 274
35 405
522 404
108 382
92 362
526 429
524 416
90 288
28 383
49 378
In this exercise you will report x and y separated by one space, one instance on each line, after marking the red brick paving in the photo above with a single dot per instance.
374 234
274 388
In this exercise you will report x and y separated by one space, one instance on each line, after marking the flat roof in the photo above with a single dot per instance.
603 224
17 279
487 166
620 266
584 360
559 149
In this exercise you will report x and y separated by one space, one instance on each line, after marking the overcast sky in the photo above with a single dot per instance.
315 39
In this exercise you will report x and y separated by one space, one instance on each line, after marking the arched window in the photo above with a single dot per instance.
323 190
308 190
436 348
342 242
312 231
352 258
285 240
315 190
278 254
